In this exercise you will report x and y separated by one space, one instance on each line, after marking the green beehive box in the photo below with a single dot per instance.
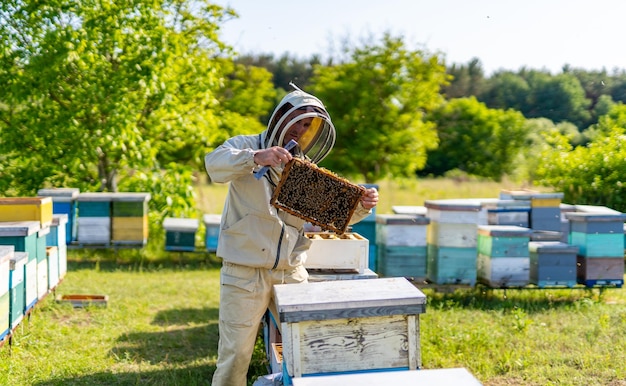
22 235
17 290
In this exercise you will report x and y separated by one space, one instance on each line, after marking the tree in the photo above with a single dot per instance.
111 94
506 90
592 174
467 80
377 100
475 139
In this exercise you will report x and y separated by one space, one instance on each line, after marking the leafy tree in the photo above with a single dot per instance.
377 101
506 90
116 92
558 98
475 139
592 174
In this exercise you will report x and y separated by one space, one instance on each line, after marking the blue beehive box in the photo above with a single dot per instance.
180 234
56 238
212 231
64 202
94 218
503 256
552 264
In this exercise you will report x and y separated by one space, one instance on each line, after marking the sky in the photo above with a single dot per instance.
502 34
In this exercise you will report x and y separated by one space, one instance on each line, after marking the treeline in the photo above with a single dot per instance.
129 95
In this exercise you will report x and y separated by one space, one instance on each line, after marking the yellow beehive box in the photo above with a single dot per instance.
26 209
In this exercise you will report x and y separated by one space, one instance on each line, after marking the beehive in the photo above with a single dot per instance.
64 202
180 234
316 195
129 218
319 321
212 231
16 285
6 253
329 251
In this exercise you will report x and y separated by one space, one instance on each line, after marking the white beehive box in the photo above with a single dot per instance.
319 321
330 251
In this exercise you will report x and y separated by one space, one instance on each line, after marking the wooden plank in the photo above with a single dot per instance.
332 251
598 245
458 235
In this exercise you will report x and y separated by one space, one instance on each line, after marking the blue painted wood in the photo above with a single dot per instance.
366 229
394 261
597 226
451 265
545 218
94 209
598 245
503 246
504 271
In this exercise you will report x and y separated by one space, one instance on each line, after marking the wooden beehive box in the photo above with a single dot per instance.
17 291
597 234
401 230
349 325
316 195
211 231
552 264
129 218
180 234
26 209
6 253
330 251
94 218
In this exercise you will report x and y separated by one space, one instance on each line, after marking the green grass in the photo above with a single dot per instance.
160 325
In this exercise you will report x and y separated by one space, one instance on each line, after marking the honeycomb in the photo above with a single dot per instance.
317 195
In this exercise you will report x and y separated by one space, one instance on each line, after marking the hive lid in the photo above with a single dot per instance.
552 246
401 219
469 205
408 209
95 196
130 196
347 298
596 217
180 224
59 194
19 228
214 219
6 252
504 231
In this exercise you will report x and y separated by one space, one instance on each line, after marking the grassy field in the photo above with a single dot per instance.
160 325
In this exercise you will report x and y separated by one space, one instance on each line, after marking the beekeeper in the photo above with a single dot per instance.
260 245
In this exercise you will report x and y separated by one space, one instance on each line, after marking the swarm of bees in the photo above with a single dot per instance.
317 195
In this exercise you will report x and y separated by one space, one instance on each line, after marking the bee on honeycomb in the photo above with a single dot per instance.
316 195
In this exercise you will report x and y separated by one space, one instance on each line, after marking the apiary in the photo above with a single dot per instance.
552 263
318 323
330 251
212 231
56 238
316 195
94 218
129 218
180 234
6 253
26 209
16 288
64 202
430 377
402 245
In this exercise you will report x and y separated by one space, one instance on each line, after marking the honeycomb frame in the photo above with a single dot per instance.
317 195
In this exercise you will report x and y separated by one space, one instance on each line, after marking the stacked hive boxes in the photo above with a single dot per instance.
452 240
545 210
319 320
503 255
552 264
64 202
129 222
600 240
401 241
94 218
211 231
22 235
16 288
6 253
180 234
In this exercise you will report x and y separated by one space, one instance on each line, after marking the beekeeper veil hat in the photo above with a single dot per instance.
317 141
